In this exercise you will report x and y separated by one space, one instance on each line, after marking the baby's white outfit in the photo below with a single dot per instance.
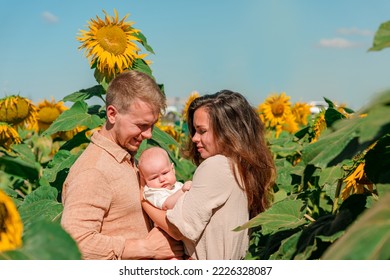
157 196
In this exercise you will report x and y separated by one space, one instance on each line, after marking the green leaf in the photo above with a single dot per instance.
25 153
349 137
331 238
284 171
62 160
382 37
289 148
84 94
330 103
332 115
368 238
287 248
376 124
286 214
43 192
279 195
44 209
41 204
383 189
329 146
306 254
143 40
45 241
330 175
76 141
19 167
76 116
140 65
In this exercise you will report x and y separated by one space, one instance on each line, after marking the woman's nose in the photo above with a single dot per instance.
195 138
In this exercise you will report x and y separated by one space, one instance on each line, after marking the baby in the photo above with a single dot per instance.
161 189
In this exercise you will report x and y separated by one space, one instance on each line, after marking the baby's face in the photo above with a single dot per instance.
159 174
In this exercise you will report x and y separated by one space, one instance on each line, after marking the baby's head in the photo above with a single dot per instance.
156 169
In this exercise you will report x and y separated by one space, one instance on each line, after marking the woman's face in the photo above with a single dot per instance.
204 134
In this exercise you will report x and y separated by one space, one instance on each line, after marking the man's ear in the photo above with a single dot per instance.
111 113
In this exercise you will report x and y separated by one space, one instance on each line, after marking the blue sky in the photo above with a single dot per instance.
307 49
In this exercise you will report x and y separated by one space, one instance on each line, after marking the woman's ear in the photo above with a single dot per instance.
111 113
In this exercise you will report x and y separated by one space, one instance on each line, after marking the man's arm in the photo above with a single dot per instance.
157 245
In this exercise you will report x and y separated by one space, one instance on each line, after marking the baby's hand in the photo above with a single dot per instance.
187 186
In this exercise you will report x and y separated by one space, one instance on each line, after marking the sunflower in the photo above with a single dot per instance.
278 129
48 112
191 98
275 110
290 124
169 129
318 126
11 226
301 111
8 135
342 109
110 44
18 112
90 132
67 135
356 182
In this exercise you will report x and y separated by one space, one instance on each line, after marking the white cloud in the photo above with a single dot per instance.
339 43
49 17
355 31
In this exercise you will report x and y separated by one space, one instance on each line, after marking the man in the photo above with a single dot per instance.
101 195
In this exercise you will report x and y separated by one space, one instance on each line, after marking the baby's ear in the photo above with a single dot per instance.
173 167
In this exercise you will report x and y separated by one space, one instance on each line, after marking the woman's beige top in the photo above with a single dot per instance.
101 198
207 214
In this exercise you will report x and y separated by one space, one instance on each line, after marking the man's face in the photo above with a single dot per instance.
134 125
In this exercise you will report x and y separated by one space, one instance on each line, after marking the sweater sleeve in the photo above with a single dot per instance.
210 189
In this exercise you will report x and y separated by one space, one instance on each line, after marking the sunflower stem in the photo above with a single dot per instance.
309 218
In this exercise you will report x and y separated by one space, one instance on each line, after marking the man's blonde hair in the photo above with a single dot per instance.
131 85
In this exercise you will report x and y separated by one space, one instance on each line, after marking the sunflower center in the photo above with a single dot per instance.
16 112
48 114
112 39
277 109
3 217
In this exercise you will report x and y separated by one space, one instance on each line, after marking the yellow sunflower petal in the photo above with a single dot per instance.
110 44
191 98
11 226
276 109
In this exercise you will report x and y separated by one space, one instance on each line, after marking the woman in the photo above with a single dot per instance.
232 183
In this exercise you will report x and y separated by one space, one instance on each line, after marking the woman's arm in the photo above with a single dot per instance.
159 217
171 200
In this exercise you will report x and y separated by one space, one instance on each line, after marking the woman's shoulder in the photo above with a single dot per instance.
217 159
216 170
215 162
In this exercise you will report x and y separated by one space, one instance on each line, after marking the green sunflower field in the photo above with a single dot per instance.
331 195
